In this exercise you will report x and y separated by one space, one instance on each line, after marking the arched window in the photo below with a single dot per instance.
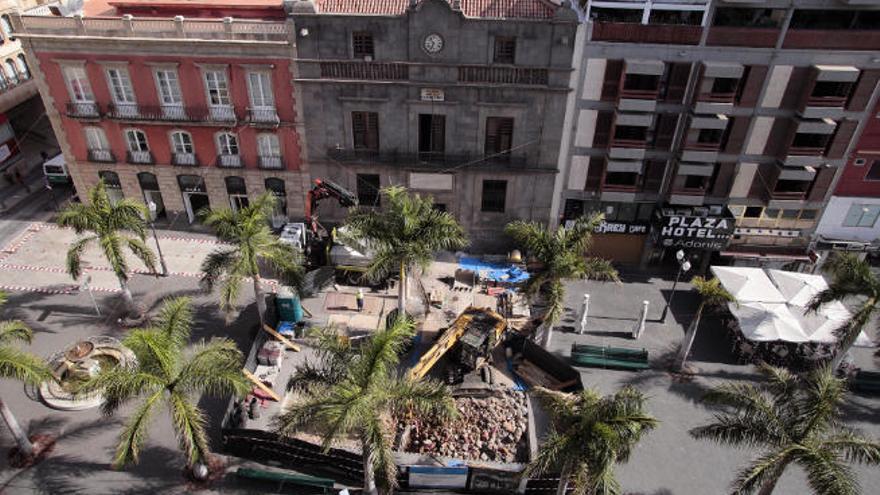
23 66
148 181
138 147
96 142
11 71
6 26
114 186
182 148
150 187
237 192
4 83
227 150
276 187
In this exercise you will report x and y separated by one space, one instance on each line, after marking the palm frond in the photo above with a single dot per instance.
600 269
15 331
216 265
424 397
128 214
377 443
73 261
827 474
214 368
554 449
133 436
118 386
111 246
23 366
140 249
853 447
80 217
189 425
175 319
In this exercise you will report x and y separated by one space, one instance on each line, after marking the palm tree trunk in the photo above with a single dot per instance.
548 335
126 295
768 487
401 291
21 438
369 474
562 487
688 340
261 300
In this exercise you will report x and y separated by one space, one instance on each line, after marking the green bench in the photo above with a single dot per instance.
867 382
286 478
609 357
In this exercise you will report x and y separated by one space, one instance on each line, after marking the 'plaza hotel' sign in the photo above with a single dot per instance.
688 229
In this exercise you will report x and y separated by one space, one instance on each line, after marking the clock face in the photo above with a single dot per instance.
433 43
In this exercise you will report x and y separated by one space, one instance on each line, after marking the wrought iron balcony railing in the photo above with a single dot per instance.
83 110
271 162
428 159
140 157
263 116
229 161
185 159
101 156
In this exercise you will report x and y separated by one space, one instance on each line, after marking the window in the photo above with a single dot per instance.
237 191
78 84
260 90
217 87
616 15
276 187
873 171
641 82
494 196
96 139
630 133
499 136
790 214
182 147
4 83
362 44
365 130
745 17
432 134
710 136
136 140
792 186
831 89
120 86
696 182
23 68
809 214
861 215
169 87
809 140
6 26
227 144
268 145
834 19
621 179
680 17
505 50
753 212
368 189
114 187
11 70
725 85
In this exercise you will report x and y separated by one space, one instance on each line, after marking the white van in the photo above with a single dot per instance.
55 171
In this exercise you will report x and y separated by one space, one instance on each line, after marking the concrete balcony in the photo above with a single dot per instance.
832 39
428 160
699 156
743 36
627 104
646 33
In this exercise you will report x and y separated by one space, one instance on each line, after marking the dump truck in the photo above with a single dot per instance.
471 339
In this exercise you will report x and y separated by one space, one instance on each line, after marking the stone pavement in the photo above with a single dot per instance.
668 461
35 260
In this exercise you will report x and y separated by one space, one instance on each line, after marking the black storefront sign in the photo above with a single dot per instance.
621 228
710 232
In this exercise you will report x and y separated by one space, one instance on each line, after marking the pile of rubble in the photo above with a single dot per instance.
488 429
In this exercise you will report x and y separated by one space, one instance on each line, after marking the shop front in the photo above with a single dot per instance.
622 236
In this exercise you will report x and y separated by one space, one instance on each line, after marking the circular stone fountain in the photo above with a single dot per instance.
74 365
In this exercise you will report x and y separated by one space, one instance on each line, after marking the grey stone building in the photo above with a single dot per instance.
462 100
693 108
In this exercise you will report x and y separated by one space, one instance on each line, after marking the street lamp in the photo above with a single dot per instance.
153 209
683 266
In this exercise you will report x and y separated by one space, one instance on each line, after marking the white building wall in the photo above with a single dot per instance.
831 224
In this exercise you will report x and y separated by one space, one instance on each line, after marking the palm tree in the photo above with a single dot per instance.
169 373
108 224
589 434
22 366
793 420
405 235
252 245
560 255
852 280
712 294
366 399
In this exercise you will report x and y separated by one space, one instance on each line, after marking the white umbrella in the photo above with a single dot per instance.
762 322
822 328
797 288
748 284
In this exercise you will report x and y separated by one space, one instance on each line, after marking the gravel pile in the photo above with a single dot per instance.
487 429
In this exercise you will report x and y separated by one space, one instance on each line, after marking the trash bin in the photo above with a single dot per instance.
289 306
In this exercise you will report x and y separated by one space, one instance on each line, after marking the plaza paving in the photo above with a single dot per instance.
668 461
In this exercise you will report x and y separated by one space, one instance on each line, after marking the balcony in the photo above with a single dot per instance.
172 114
503 75
221 114
366 71
140 157
123 111
101 156
718 97
431 160
270 162
646 33
83 110
229 161
185 159
743 36
832 39
263 117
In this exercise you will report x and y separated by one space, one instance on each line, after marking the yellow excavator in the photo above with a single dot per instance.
473 336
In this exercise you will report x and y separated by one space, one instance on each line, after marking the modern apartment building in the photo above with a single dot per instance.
849 221
692 115
178 103
461 99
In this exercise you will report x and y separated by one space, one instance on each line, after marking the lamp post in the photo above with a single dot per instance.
683 266
153 209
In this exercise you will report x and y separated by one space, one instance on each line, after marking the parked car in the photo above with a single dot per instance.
55 170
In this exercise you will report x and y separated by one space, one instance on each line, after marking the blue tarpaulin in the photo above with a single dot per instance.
498 272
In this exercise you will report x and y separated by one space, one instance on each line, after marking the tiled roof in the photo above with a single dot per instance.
494 9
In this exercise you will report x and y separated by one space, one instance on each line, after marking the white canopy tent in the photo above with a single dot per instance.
776 306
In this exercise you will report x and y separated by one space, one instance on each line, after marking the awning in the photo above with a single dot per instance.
723 69
764 322
625 166
748 284
634 119
646 67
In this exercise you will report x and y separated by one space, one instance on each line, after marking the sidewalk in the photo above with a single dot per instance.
11 195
